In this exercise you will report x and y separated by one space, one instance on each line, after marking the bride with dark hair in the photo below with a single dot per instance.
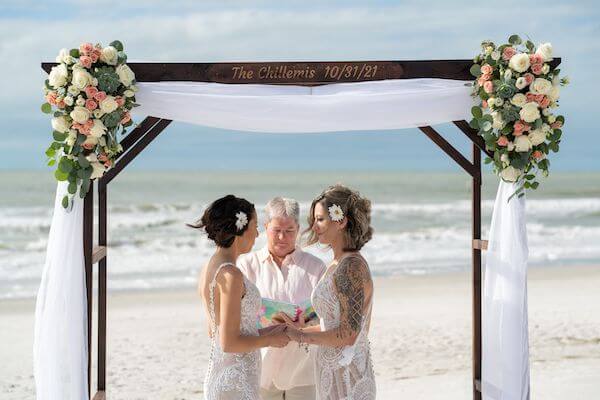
232 303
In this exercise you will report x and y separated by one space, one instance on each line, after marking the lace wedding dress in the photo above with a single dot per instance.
343 373
234 376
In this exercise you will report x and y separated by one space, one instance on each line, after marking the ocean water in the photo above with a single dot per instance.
422 221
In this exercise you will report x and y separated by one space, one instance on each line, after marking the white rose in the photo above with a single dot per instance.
73 90
129 93
495 55
529 112
102 142
92 157
545 69
80 101
510 174
551 118
134 88
80 114
554 93
109 55
537 136
510 146
58 76
81 78
108 105
540 86
519 62
498 101
489 50
522 143
71 138
126 75
519 100
507 74
498 122
64 57
97 170
545 50
68 100
546 112
521 83
60 124
98 129
98 113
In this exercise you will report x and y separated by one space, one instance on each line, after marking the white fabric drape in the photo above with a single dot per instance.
505 364
390 104
60 334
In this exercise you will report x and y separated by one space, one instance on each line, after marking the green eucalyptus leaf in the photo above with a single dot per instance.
117 45
74 53
65 201
46 108
60 176
515 40
475 70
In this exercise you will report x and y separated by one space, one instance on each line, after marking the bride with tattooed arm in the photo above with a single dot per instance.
340 218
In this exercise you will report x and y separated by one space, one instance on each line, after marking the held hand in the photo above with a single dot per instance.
290 322
293 333
278 337
280 318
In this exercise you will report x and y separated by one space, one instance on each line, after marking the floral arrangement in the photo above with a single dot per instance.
90 94
517 90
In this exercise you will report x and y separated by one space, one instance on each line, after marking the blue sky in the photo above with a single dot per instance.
186 30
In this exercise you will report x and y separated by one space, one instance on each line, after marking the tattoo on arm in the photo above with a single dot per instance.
350 279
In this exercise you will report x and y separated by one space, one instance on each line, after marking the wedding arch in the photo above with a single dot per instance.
308 97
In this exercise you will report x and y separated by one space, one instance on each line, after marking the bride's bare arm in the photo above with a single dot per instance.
231 287
350 280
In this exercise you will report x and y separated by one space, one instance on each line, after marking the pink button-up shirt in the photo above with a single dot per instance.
294 282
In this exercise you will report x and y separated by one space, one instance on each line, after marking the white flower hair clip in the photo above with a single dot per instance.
335 213
242 220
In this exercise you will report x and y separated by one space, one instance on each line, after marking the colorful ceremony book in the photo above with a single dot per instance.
271 307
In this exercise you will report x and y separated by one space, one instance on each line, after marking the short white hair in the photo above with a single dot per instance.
279 207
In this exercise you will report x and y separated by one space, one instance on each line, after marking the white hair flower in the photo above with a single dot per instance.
242 220
335 213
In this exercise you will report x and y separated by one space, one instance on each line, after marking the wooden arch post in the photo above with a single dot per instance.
282 73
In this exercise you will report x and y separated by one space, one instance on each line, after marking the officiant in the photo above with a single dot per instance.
284 272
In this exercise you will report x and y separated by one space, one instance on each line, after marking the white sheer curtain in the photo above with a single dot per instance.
391 104
60 334
505 364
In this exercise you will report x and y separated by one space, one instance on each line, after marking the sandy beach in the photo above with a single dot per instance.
421 338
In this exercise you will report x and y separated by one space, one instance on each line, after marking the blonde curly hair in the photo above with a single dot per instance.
356 209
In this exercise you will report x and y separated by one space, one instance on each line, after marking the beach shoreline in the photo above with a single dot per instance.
420 335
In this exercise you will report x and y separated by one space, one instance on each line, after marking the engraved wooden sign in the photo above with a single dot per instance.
318 72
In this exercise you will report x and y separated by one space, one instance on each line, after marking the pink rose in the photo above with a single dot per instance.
556 125
91 104
484 104
120 101
126 118
51 98
86 48
538 155
108 163
87 146
90 91
528 78
94 57
502 141
536 69
100 96
530 97
102 157
536 59
545 102
488 87
61 104
85 61
508 52
89 124
487 69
